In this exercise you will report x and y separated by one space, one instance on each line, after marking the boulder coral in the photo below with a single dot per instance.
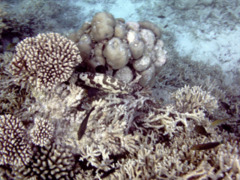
103 25
116 53
116 44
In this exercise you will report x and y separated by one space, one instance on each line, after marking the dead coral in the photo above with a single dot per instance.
45 60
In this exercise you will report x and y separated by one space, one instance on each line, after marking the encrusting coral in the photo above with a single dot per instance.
91 125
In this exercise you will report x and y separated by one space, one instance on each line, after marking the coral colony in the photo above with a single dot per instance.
81 107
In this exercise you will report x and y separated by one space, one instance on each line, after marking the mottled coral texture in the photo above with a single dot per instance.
45 60
51 162
15 149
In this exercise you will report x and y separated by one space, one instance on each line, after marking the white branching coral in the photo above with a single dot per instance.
14 148
189 98
109 128
105 137
45 60
57 105
121 133
42 132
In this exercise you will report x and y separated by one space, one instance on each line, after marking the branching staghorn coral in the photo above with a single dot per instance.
105 137
127 138
188 99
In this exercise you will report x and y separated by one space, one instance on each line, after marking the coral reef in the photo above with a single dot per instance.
15 149
42 132
11 96
51 162
111 44
92 125
45 60
187 99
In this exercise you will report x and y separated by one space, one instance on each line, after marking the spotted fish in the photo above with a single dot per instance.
105 83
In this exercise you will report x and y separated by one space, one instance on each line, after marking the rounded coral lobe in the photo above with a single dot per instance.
45 60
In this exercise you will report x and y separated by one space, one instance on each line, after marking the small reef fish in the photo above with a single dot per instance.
201 130
10 46
105 83
206 146
218 122
83 126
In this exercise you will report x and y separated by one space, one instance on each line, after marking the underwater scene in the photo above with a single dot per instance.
119 89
